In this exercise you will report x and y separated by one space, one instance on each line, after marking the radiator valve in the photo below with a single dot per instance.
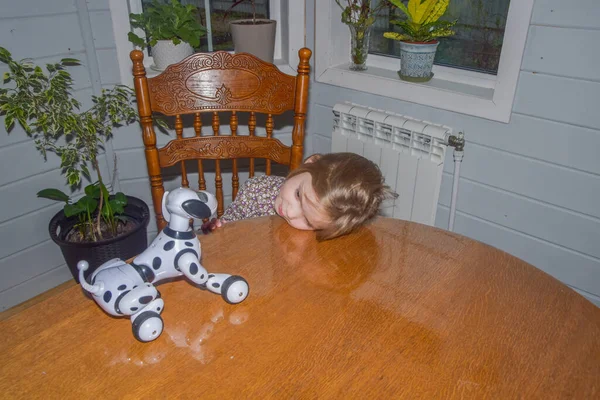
458 141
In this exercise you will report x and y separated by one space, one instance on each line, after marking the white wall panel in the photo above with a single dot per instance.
568 100
563 51
41 36
574 14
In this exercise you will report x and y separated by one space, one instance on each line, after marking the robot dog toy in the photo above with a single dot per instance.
128 289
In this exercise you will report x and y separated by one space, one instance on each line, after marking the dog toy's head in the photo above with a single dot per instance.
188 203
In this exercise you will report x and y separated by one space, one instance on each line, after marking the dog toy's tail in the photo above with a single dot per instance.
82 266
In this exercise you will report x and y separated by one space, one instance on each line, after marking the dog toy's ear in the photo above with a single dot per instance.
165 212
209 199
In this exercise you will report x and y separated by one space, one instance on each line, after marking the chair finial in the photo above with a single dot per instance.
138 62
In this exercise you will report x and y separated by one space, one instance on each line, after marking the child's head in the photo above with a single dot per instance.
332 194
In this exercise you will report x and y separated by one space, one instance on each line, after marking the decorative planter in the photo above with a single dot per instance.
96 253
359 47
416 61
166 53
257 39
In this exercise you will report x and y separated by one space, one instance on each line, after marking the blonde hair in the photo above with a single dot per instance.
350 189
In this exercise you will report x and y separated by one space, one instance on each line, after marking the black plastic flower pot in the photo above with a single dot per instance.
95 253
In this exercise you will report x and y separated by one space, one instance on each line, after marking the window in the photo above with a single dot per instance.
289 15
216 20
475 71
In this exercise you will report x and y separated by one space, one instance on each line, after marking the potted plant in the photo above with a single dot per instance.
255 35
172 31
418 39
96 227
359 15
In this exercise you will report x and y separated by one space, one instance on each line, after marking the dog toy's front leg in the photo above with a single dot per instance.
189 264
234 289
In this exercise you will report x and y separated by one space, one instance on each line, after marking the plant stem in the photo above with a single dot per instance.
100 204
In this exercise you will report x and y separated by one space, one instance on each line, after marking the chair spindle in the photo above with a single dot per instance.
179 132
269 128
218 179
252 129
235 180
198 130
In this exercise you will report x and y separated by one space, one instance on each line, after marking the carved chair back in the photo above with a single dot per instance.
213 83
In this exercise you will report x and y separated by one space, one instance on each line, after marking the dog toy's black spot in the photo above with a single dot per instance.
133 308
107 296
122 287
156 262
180 254
193 269
216 285
211 276
188 244
202 276
169 245
145 299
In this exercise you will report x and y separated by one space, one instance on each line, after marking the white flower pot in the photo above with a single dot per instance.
257 39
166 53
416 61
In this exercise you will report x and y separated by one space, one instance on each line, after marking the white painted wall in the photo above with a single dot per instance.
530 187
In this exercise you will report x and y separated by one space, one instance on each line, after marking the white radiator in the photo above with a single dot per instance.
409 152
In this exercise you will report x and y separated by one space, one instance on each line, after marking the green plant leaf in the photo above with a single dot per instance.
116 207
53 194
70 61
73 209
9 122
120 199
88 204
135 39
92 191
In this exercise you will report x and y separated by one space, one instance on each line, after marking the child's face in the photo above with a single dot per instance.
298 204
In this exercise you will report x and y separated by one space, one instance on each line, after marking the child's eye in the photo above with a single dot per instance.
297 193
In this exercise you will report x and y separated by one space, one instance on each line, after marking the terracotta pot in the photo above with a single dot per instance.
257 39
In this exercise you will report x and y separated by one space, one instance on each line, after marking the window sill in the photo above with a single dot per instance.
446 92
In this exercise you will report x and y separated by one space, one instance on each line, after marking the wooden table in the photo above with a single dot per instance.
397 310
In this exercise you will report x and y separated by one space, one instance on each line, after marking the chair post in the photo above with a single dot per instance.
143 100
301 104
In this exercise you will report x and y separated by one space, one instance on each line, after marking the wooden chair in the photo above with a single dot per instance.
213 83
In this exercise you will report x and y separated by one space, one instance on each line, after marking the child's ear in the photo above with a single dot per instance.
312 159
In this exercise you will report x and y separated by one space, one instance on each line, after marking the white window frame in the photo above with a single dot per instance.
452 89
291 36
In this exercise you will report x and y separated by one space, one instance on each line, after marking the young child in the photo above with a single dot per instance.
331 194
